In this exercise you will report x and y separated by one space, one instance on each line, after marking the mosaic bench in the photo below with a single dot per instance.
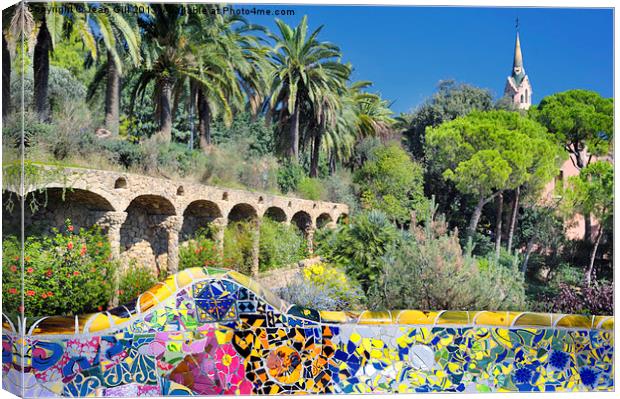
209 334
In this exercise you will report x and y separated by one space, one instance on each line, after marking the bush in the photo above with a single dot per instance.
134 281
123 152
280 245
289 176
392 183
67 273
359 246
310 188
309 295
62 87
201 251
238 244
340 188
597 299
346 292
429 271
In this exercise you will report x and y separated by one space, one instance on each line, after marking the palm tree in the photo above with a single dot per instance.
306 72
126 51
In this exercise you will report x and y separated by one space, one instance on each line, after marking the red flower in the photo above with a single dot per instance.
83 250
30 292
27 259
76 273
48 273
13 291
70 246
70 228
30 270
20 308
50 294
99 308
16 258
13 268
44 295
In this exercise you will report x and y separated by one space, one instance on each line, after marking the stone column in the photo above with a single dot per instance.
219 226
309 233
255 248
173 226
111 223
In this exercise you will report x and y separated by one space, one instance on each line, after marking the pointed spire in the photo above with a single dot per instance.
518 60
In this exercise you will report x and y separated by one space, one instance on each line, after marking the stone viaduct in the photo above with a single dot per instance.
147 218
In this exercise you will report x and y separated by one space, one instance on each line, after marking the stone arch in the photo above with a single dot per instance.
121 182
198 214
302 220
343 218
145 235
276 214
57 204
241 212
323 220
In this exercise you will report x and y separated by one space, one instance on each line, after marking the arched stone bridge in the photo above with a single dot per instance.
146 218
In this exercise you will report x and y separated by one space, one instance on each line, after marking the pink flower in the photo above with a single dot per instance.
70 228
70 246
13 291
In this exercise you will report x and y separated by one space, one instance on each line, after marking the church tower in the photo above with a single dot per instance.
518 88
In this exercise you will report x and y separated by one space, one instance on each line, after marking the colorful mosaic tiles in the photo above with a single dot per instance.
199 334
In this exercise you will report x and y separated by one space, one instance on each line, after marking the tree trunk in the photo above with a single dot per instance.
332 163
294 134
112 96
316 152
41 67
513 218
588 277
528 252
165 110
498 224
475 217
6 78
587 221
204 121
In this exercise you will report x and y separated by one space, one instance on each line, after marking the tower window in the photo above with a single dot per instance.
521 98
527 96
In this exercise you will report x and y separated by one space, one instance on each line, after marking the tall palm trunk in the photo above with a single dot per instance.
204 121
588 276
6 78
294 134
316 152
41 66
513 218
165 109
112 96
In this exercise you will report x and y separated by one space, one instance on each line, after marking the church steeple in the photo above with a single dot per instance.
518 87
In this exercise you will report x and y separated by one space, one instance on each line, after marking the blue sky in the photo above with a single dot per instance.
405 51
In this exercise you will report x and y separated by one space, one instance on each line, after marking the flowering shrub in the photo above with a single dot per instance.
67 273
134 281
324 287
202 251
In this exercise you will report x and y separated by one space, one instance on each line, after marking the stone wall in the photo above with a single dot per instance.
146 217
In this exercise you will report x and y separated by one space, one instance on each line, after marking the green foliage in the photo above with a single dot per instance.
343 289
391 182
289 176
238 245
592 192
578 119
359 246
280 245
70 54
340 188
311 188
134 281
258 136
63 87
67 273
428 270
451 101
201 251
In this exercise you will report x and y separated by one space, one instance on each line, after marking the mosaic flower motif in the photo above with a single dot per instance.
232 370
558 360
589 377
522 375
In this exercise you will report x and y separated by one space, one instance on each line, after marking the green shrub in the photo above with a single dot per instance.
238 244
67 273
359 246
343 289
310 188
123 152
134 281
289 176
201 251
280 245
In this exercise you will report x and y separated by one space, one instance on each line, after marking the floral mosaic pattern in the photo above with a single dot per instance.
218 337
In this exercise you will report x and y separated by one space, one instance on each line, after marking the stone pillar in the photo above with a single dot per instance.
219 227
111 223
255 248
309 233
173 226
